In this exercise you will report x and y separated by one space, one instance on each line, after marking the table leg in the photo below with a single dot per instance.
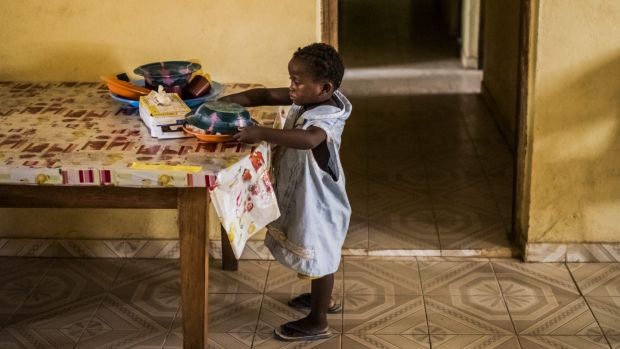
192 207
229 262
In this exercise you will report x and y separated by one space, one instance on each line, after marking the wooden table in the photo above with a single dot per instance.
69 145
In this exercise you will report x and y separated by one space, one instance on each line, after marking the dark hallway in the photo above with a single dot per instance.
428 171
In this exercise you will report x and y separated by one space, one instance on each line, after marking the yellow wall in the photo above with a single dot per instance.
89 223
574 122
501 60
236 40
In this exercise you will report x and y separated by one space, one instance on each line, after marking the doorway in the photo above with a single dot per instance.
428 171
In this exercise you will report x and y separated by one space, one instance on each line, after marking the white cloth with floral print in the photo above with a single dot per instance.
244 199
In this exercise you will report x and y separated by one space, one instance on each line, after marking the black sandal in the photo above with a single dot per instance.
304 300
290 332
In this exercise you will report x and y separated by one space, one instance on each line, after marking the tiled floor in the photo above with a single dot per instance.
427 170
427 174
423 302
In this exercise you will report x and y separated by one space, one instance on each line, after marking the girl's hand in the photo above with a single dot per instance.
250 134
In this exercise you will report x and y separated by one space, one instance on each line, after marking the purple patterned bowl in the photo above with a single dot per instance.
172 75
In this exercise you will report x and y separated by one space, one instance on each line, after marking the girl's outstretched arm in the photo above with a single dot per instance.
260 96
294 138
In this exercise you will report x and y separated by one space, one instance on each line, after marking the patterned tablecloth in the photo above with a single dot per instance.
74 133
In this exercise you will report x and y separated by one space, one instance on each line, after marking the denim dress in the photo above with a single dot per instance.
315 210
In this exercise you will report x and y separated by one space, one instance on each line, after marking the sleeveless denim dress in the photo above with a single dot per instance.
315 210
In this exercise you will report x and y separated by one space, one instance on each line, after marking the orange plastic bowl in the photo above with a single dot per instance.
124 88
209 138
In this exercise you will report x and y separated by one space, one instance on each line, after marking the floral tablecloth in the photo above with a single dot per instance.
74 133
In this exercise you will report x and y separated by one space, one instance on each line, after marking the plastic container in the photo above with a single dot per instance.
172 75
217 117
197 87
124 89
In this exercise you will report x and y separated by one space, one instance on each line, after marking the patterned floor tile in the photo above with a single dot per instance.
358 196
285 281
220 325
408 227
447 210
120 313
563 342
466 314
497 161
249 278
458 278
597 279
476 195
384 237
17 268
380 276
607 312
122 339
552 315
26 338
233 312
385 341
18 277
55 308
357 236
216 340
268 341
533 279
384 198
174 340
460 149
447 177
469 163
177 323
275 312
135 270
473 235
10 301
159 302
410 179
599 252
83 273
481 341
614 341
384 314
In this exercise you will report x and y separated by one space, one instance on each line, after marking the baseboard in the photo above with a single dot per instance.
572 252
169 249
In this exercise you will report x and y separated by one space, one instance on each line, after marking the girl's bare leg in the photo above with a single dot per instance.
321 294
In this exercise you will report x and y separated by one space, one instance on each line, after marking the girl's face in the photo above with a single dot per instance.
304 89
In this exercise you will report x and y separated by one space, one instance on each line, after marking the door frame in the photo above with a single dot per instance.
521 183
329 22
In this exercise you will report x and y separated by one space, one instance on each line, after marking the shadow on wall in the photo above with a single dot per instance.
576 147
71 61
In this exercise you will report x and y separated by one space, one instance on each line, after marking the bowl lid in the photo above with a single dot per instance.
168 68
218 116
222 107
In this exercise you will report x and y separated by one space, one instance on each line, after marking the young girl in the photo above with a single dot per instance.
309 180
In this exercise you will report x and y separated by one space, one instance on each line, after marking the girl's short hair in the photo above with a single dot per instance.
324 61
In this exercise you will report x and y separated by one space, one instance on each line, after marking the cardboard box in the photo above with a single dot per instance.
164 121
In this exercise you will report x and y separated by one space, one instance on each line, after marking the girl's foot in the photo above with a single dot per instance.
302 330
304 300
